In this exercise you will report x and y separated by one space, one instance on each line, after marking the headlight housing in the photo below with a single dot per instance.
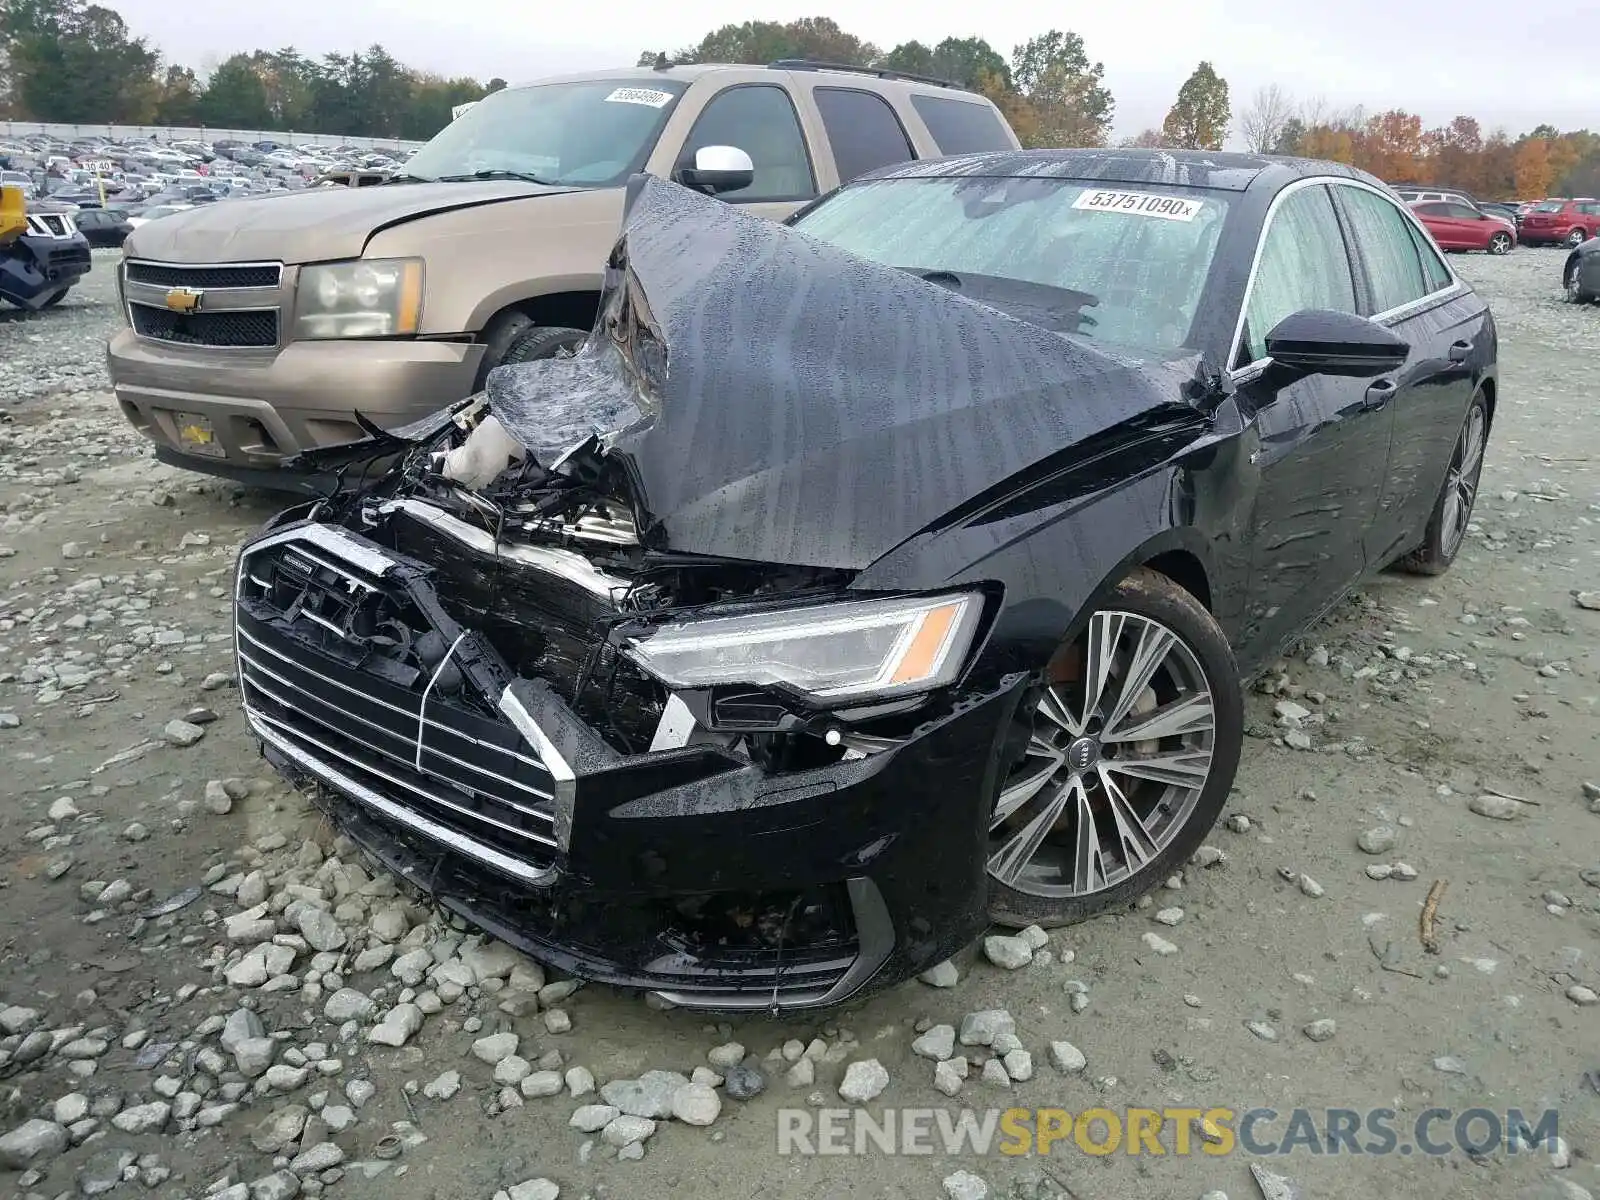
368 298
849 650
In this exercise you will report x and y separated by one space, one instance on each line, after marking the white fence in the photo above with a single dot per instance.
65 133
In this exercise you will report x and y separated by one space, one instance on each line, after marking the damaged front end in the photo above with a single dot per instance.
591 661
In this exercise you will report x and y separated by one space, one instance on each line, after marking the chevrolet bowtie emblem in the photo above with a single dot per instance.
184 300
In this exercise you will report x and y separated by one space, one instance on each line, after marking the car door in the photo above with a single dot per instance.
1440 224
1318 443
1474 227
1408 288
760 119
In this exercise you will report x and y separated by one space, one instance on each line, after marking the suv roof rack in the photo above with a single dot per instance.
807 64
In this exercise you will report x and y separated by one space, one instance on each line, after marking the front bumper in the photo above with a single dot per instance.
688 872
34 268
266 405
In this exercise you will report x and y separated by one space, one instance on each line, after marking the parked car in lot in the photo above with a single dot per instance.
861 582
1561 222
104 227
488 248
1580 274
1461 227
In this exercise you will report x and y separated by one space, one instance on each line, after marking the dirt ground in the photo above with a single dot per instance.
1424 694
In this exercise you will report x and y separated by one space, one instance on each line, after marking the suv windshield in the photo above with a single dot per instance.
593 133
1122 265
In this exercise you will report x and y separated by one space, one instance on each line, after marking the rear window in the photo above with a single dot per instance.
1549 206
862 129
961 126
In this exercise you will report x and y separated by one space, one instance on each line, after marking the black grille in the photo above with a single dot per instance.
68 259
159 275
234 329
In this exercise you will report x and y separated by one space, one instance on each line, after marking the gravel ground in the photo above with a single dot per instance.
297 1025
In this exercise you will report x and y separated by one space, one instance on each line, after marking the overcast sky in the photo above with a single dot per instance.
1504 62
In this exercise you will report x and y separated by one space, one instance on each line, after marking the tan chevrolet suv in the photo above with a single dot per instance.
258 327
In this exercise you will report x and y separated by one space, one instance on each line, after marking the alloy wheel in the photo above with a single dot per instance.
1500 243
1461 484
1577 237
1119 755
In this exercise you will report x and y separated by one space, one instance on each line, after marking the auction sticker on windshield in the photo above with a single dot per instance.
1142 204
646 96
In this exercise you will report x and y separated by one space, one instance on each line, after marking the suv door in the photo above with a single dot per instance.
1407 287
1318 443
760 119
862 129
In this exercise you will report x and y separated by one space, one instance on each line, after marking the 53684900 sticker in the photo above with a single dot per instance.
646 96
1139 204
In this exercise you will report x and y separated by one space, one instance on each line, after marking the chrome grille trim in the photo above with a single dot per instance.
292 701
330 775
406 715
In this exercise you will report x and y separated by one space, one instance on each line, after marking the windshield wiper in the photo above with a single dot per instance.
496 174
406 178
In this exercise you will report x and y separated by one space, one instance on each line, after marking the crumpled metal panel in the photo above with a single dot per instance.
781 399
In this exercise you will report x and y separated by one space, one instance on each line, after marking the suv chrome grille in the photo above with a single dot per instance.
241 275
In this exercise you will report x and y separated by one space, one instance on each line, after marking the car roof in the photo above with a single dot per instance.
864 77
1234 172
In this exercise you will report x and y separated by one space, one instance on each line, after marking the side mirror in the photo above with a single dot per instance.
1318 341
718 169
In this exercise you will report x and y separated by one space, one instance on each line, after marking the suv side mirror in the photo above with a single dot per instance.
1317 341
718 169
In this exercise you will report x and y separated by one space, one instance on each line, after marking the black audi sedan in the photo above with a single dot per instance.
865 581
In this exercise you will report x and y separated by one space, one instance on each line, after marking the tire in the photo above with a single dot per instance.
1576 293
1500 243
514 338
1088 766
1447 523
1576 238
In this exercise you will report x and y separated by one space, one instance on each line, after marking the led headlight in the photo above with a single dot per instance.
377 297
848 650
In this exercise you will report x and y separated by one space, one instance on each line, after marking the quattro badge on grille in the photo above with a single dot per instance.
184 299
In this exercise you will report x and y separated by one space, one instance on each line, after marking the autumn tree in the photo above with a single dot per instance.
1530 168
1390 146
1146 139
1066 93
1199 119
1262 124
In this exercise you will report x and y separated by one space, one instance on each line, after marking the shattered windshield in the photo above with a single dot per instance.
593 133
1123 265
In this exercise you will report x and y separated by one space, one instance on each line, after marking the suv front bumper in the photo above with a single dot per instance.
688 872
261 407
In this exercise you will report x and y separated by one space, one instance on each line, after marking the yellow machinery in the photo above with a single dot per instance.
13 214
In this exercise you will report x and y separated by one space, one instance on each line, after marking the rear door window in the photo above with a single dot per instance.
1383 239
862 129
961 126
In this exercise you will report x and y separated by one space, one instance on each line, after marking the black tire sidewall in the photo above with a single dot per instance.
1433 557
1153 595
541 341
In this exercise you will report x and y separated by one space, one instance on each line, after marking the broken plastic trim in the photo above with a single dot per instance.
565 782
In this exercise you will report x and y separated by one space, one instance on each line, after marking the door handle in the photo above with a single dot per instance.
1379 395
1460 351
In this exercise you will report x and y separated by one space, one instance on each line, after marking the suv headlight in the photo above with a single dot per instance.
852 649
372 297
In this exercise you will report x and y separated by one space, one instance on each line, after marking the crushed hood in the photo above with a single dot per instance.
314 225
780 399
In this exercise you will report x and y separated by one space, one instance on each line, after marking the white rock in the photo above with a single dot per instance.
949 1074
580 1081
143 1118
442 1086
347 1004
397 1026
941 975
320 929
995 1074
540 1083
1007 952
1169 916
696 1104
513 1069
318 1158
1311 887
982 1027
1583 996
591 1118
627 1130
32 1143
729 1054
1321 1030
533 1189
864 1081
1067 1057
1158 944
938 1043
649 1096
964 1185
1019 1065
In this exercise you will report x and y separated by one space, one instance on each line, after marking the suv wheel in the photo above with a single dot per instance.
1575 291
1577 237
1500 243
514 338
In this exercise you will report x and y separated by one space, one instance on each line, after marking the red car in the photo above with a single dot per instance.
1561 221
1457 226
